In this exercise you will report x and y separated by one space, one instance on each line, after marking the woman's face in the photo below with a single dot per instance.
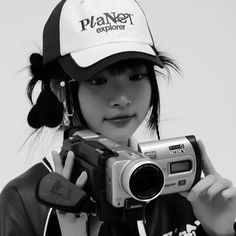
114 104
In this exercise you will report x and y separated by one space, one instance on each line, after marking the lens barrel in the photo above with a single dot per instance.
143 181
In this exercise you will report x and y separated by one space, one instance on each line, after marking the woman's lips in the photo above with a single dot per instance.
120 121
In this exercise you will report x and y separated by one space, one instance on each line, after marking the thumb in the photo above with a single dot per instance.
208 167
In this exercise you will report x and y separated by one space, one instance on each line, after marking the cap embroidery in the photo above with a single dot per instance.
107 22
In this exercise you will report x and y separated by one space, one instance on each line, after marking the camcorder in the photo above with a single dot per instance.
122 181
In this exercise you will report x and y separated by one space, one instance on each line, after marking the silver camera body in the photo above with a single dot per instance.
157 168
179 159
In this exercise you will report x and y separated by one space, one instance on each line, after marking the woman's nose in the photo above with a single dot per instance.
120 101
121 91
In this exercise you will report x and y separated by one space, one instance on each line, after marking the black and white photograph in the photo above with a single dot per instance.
118 118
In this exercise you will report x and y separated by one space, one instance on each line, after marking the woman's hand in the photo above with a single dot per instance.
70 224
214 200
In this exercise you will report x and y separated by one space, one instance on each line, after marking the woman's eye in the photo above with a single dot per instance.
138 77
97 81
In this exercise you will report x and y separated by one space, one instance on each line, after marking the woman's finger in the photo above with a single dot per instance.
208 167
82 179
229 193
66 172
57 162
200 187
219 186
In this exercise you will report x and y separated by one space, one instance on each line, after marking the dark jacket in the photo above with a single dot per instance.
22 215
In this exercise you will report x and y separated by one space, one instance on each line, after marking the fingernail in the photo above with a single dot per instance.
70 153
83 175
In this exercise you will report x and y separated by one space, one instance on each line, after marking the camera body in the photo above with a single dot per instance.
122 181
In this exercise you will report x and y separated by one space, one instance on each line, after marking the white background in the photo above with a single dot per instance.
199 34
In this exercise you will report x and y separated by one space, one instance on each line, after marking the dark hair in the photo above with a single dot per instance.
53 72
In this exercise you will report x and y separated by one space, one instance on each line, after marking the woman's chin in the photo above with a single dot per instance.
121 138
117 134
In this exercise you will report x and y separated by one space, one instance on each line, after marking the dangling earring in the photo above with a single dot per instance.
67 116
68 110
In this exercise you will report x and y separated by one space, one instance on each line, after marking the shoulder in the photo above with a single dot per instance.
18 203
23 187
27 179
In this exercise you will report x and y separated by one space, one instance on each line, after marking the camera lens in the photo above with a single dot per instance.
146 181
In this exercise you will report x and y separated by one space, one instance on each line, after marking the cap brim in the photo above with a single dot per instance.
79 73
92 55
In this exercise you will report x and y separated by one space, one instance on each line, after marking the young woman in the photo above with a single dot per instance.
98 70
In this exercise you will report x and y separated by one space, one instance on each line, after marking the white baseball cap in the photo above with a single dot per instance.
86 36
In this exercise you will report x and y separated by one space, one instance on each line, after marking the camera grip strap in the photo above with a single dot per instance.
55 191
